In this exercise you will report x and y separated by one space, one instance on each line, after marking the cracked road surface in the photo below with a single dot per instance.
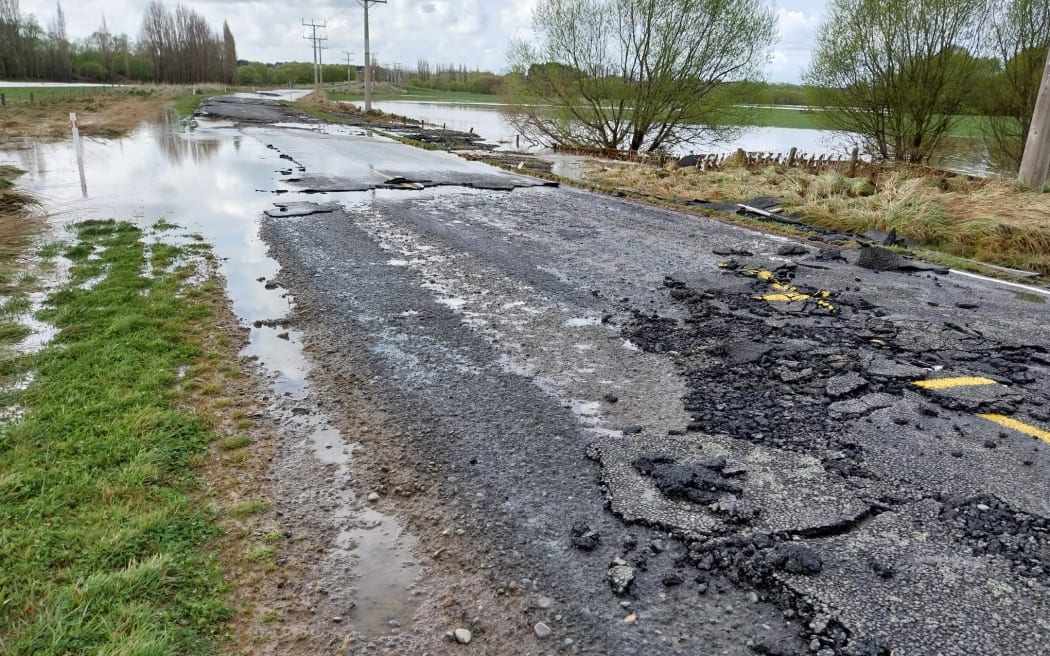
671 456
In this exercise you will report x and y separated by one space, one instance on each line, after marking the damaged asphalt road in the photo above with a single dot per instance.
771 451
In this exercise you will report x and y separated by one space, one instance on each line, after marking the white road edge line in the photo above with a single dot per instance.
1016 285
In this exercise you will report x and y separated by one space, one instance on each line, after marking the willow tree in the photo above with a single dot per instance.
634 74
1020 37
897 72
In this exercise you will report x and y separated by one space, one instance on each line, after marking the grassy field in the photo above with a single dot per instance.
810 119
985 219
188 101
103 532
33 94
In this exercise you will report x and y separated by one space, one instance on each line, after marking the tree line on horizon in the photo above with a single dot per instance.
173 47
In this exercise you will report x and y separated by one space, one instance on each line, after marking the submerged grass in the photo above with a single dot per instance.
19 225
101 535
985 219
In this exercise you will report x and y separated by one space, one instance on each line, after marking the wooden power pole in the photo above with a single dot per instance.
1036 160
316 42
368 62
348 53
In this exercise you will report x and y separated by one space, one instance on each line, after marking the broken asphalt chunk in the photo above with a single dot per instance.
584 537
882 259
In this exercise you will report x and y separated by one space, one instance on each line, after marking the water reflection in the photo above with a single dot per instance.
195 148
158 173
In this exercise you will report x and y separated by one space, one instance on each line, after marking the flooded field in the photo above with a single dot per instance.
215 182
964 155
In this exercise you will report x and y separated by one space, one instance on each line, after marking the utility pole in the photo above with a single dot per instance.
1036 159
315 40
368 60
348 53
320 59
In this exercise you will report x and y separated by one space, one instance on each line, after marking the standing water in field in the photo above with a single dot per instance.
215 183
963 155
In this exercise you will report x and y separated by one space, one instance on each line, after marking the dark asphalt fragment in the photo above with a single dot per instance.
792 249
732 251
584 537
699 483
796 559
882 259
989 526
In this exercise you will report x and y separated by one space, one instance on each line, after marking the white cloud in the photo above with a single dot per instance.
798 29
474 33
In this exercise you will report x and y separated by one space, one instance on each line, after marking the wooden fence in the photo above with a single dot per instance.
717 161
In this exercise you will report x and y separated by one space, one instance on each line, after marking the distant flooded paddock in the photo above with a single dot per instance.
963 155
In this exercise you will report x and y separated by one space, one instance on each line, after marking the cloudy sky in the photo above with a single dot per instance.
471 32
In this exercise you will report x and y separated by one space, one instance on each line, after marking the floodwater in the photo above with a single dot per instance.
963 155
216 182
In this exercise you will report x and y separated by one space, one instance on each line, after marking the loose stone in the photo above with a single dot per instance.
463 636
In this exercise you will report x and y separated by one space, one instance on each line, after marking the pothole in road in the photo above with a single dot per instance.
386 573
280 354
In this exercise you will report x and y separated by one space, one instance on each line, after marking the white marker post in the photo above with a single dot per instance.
78 145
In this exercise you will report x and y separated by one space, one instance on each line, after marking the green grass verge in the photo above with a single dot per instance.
188 102
101 532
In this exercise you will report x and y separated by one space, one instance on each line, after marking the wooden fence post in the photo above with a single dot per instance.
791 156
853 157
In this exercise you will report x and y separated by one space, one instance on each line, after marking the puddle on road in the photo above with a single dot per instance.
216 182
582 322
282 357
384 593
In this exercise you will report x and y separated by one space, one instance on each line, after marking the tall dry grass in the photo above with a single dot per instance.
985 219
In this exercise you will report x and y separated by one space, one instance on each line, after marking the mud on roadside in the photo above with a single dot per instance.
456 586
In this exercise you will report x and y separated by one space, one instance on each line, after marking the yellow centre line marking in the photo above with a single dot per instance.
786 297
1019 426
948 383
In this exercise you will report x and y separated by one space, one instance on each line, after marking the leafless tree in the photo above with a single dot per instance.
635 74
59 66
104 42
229 55
12 51
181 45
